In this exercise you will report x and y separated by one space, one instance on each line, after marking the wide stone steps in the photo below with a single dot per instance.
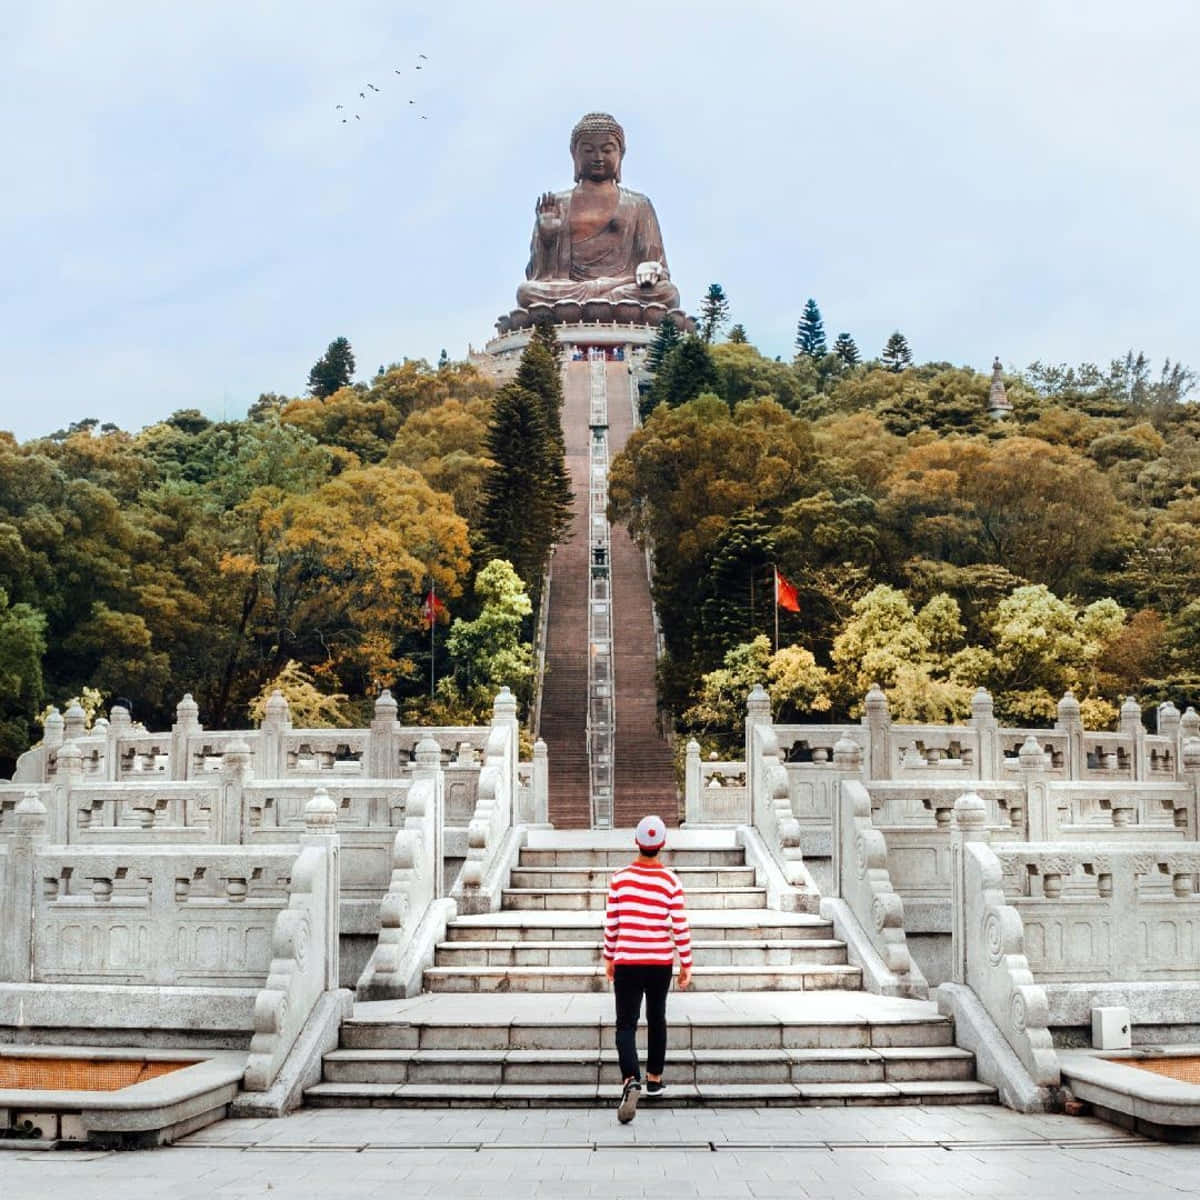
593 899
728 1048
788 978
582 878
596 858
715 1095
721 952
902 1064
709 925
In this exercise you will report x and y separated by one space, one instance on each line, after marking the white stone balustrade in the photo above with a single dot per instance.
865 886
491 844
989 947
715 792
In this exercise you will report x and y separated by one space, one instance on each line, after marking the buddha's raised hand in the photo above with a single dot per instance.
549 214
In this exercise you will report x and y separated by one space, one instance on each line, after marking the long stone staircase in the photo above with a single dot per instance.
516 1011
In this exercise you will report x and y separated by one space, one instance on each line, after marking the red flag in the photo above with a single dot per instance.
786 595
432 608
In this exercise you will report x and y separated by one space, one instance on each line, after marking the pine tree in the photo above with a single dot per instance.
523 514
736 593
810 332
665 341
333 370
896 354
846 349
737 335
714 312
538 373
686 372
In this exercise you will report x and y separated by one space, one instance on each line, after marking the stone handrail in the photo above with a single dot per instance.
715 792
113 750
772 808
1106 912
864 885
988 947
304 948
489 841
412 917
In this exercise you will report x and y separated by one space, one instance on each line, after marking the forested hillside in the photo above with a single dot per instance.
297 547
933 547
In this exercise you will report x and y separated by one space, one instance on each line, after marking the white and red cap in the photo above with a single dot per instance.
651 833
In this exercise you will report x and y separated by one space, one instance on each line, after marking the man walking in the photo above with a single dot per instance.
645 923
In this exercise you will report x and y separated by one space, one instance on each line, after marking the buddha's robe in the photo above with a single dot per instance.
603 266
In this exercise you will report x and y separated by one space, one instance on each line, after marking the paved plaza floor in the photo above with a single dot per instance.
976 1151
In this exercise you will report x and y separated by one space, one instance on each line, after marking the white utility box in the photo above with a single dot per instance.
1110 1028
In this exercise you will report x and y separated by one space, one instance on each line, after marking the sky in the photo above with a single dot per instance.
186 222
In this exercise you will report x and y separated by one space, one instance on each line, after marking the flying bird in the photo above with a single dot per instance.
363 95
424 56
372 87
357 117
343 120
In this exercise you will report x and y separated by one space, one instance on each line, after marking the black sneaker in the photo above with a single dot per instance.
655 1087
627 1109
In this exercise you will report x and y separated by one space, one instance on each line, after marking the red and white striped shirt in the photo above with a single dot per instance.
644 918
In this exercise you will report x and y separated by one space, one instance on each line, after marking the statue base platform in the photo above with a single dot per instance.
581 334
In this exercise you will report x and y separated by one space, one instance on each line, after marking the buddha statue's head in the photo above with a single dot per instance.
597 146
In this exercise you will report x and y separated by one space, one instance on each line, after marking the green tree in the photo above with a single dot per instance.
539 374
665 340
714 312
523 511
685 373
810 332
896 354
333 370
737 335
846 349
488 652
22 644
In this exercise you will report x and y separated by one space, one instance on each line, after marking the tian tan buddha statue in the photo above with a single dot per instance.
597 252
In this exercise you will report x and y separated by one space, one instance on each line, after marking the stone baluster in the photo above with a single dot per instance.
66 780
1131 726
270 759
429 766
983 718
34 765
693 784
1041 815
187 725
1189 771
230 823
1070 722
74 723
1168 723
120 724
382 747
320 829
52 729
758 712
848 763
878 721
504 713
17 885
970 825
540 783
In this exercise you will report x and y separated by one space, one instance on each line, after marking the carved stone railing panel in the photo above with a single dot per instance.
1106 912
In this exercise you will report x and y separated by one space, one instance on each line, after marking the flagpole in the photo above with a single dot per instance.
775 579
432 632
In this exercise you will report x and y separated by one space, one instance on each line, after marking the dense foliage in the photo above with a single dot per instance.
935 548
293 548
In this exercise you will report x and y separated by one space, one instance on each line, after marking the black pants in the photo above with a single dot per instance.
630 984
